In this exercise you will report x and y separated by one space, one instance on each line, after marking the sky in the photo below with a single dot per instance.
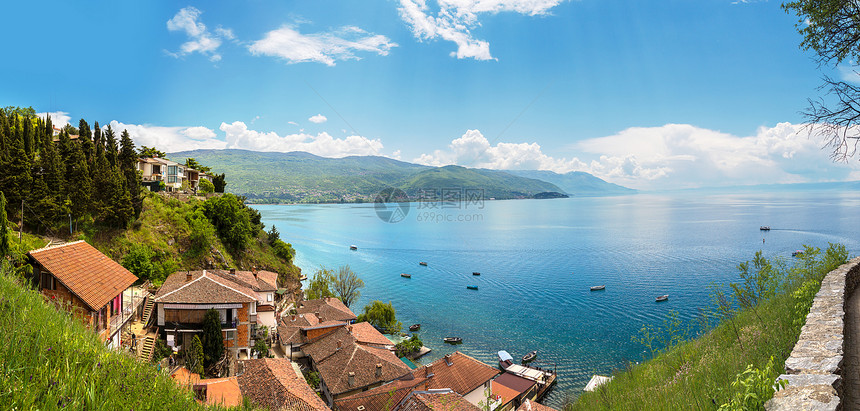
651 95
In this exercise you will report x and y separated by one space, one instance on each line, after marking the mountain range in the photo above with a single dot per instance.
304 177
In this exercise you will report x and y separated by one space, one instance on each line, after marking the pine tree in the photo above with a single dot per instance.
121 209
128 166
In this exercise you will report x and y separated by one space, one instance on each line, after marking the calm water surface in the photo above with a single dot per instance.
538 258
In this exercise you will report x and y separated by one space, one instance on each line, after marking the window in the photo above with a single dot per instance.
171 170
253 308
231 335
48 281
269 297
171 179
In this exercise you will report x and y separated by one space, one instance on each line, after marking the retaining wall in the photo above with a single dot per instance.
814 368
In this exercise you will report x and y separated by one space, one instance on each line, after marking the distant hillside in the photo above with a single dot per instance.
576 183
494 183
304 177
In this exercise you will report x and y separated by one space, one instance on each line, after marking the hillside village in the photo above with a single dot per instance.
356 365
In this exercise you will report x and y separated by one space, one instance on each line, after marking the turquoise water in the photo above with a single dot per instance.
538 258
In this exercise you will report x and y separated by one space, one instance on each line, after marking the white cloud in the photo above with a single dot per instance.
455 19
322 144
328 47
200 40
666 157
474 150
318 119
170 139
849 73
59 119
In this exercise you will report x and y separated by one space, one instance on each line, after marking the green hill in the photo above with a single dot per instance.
576 183
304 177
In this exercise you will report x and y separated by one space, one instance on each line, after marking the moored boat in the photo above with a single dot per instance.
663 297
764 228
475 273
529 357
303 277
414 327
404 275
424 263
453 340
472 287
505 359
796 253
598 287
353 247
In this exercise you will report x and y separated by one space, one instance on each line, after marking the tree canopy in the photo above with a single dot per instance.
381 315
213 340
342 283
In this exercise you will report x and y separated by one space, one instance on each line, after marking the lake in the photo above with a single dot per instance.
538 258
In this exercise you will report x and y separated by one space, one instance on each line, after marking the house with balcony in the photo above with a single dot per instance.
265 286
80 279
185 297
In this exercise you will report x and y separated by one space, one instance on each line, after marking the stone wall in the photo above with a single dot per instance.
813 370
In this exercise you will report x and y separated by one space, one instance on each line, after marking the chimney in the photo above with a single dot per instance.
339 344
233 271
350 378
428 370
317 314
294 317
448 359
188 276
378 370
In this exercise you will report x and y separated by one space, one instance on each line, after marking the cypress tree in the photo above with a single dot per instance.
85 139
27 133
110 146
128 166
97 141
78 183
4 134
15 178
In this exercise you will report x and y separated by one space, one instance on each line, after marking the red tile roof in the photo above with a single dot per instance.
222 391
464 375
330 309
430 401
85 271
274 384
364 333
183 376
289 328
203 288
334 364
264 281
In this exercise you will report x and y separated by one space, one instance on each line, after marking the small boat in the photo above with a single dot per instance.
796 253
475 273
303 277
505 360
664 297
414 327
472 287
353 247
424 263
529 357
598 287
764 228
453 340
404 275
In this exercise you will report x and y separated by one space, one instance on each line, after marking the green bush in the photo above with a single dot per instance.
410 346
231 219
138 260
284 250
753 387
205 186
381 315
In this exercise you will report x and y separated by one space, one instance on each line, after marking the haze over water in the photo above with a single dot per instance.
538 258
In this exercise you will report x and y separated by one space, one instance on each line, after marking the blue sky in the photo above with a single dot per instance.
657 94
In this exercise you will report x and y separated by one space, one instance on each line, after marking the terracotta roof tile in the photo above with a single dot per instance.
88 273
364 333
463 375
263 282
335 363
183 376
289 329
274 384
430 401
506 393
203 288
330 309
223 391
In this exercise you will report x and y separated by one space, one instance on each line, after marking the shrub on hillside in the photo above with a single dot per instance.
284 250
232 220
205 187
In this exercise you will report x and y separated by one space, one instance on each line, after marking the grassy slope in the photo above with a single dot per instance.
48 360
698 374
163 227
